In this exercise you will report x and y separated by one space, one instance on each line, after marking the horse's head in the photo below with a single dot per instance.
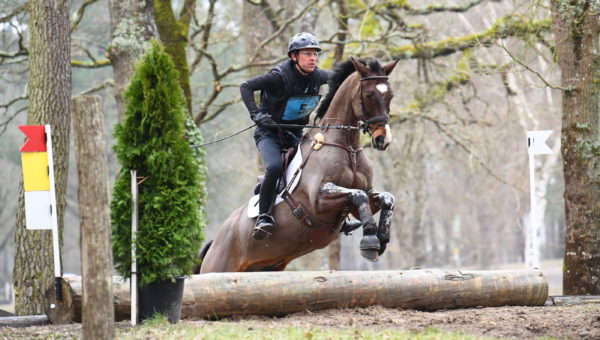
372 102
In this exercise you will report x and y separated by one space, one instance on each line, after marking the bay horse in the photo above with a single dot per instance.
336 180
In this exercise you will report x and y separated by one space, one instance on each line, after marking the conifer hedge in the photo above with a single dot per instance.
151 141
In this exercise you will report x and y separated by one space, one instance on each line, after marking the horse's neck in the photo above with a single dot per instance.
341 112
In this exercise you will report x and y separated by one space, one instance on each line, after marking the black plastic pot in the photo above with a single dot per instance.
162 297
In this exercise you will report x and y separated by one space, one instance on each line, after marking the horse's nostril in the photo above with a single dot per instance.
380 140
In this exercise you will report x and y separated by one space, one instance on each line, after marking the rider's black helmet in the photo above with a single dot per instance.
301 41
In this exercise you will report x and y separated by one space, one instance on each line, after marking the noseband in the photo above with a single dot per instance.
379 120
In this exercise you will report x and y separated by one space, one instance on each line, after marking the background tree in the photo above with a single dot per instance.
132 27
577 32
49 103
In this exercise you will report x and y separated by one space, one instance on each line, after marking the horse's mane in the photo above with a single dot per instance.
340 73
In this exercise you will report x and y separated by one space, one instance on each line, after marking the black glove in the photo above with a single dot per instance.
263 118
289 135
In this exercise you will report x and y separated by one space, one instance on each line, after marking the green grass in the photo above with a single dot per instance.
161 329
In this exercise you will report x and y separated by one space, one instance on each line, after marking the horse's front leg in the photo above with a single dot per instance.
384 201
369 244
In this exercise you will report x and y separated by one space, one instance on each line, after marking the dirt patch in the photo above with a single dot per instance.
577 322
581 322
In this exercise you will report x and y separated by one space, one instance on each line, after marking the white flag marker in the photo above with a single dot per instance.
536 145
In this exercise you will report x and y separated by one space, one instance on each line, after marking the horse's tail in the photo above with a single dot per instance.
203 252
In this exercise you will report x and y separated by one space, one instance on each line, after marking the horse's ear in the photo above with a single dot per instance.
390 67
360 68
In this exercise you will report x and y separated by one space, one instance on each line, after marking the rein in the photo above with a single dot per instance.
322 127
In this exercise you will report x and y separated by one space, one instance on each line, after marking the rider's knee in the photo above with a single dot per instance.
274 168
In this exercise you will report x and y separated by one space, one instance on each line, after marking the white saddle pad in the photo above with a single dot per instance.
289 173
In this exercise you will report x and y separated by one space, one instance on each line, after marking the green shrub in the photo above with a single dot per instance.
152 141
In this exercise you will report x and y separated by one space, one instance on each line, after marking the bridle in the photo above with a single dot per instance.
379 120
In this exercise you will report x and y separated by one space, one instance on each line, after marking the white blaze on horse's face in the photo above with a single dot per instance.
383 88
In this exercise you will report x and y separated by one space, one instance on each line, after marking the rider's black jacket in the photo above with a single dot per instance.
277 86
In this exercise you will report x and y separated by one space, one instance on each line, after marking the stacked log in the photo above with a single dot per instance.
217 295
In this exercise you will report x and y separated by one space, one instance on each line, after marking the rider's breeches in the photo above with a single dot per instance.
270 150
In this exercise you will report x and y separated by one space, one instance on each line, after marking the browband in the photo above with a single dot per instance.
374 77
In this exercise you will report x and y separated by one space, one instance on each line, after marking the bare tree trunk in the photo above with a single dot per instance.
577 30
173 34
132 27
49 103
96 253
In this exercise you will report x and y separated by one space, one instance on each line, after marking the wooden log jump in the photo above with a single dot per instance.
218 295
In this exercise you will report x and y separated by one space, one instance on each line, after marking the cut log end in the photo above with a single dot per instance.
66 310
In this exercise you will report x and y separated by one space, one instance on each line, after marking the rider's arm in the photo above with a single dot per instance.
270 81
325 75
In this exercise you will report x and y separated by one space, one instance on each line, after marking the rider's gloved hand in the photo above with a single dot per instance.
289 134
263 118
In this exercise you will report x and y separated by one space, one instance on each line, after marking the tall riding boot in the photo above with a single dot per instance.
265 224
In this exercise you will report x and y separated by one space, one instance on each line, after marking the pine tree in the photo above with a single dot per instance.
152 141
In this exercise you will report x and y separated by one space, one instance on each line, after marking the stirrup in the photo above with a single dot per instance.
264 227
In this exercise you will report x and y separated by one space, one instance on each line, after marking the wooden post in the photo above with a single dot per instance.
96 253
277 293
134 228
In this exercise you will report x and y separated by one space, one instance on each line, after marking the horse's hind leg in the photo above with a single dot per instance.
369 244
384 201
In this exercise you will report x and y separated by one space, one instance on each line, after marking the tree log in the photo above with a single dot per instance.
217 295
23 321
572 300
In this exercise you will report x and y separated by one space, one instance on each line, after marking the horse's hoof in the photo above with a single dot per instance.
370 255
369 242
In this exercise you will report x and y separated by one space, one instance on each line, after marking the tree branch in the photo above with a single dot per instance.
220 109
267 9
442 8
102 86
4 124
508 26
80 13
20 9
562 88
452 136
93 64
187 11
276 34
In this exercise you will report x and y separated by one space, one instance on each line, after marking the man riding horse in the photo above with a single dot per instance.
289 92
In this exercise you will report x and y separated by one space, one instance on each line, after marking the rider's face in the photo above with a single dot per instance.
307 59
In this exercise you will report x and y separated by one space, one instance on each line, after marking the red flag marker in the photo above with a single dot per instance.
36 138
